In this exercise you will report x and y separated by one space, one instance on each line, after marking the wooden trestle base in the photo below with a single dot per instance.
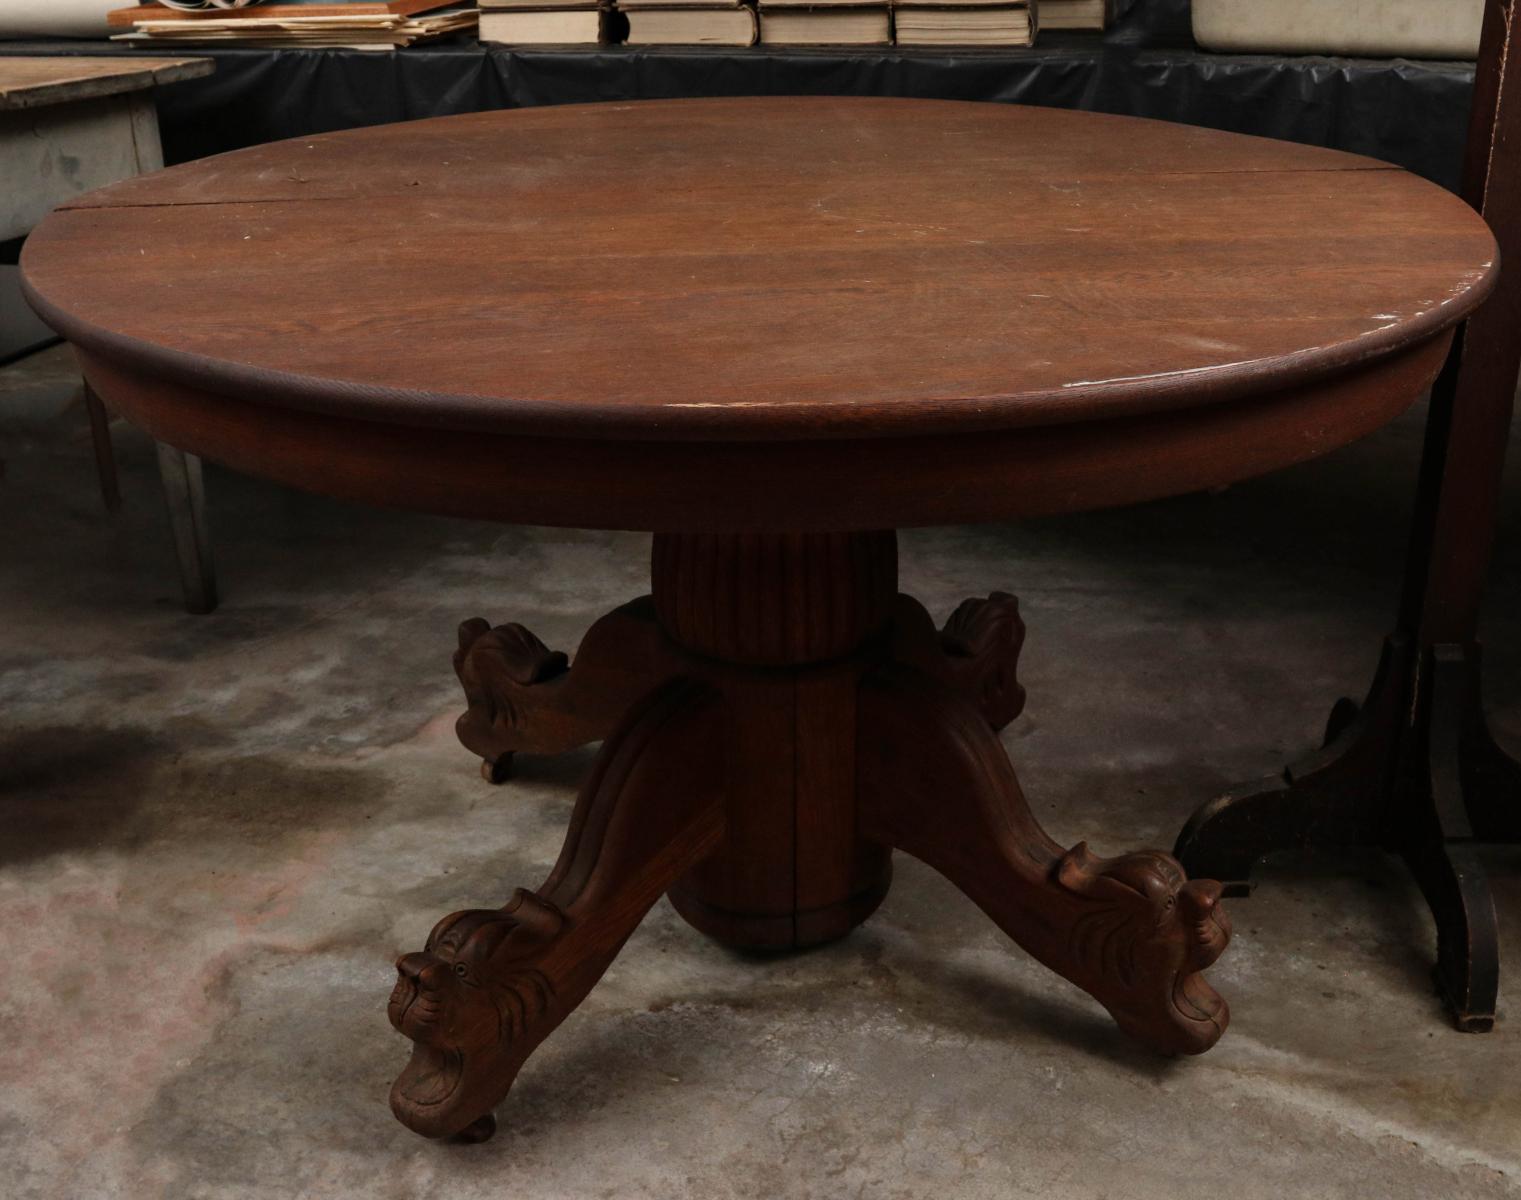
776 720
1413 770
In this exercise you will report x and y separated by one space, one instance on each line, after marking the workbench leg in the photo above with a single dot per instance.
105 455
185 496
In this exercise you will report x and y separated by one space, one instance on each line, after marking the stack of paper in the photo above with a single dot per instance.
372 25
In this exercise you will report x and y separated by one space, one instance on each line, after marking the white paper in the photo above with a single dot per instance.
56 18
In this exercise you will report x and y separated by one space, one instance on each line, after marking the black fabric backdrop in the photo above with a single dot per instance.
1409 113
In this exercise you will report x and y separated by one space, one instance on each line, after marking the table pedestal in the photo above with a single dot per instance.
776 720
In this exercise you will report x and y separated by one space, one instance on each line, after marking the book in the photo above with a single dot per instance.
543 26
636 5
847 23
490 6
1369 28
125 17
1074 14
964 23
689 25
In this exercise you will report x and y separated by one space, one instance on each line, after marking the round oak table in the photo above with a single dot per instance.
771 331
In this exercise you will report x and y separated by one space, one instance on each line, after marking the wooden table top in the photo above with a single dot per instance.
758 269
36 81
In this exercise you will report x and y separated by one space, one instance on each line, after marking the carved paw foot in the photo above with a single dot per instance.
496 667
475 1004
524 696
1140 941
981 642
1133 931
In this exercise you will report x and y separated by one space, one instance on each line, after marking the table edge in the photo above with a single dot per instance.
1099 400
147 75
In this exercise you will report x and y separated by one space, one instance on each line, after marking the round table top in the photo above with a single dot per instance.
759 269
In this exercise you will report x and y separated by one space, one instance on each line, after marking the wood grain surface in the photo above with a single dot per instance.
825 484
33 82
757 269
126 17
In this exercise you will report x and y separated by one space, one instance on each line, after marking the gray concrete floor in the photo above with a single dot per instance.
219 831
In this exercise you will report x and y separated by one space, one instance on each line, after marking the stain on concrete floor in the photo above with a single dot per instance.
219 831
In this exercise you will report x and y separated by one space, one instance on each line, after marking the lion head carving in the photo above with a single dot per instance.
982 640
464 1001
493 666
1145 936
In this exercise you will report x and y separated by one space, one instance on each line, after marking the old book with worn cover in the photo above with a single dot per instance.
824 23
1380 28
544 27
674 23
964 23
489 6
1074 14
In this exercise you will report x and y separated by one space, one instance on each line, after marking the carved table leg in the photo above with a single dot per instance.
493 983
524 696
975 653
1132 931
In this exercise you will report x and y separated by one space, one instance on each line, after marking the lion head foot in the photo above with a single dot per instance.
494 666
1142 940
982 640
470 1002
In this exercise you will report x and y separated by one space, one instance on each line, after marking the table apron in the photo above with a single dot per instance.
817 486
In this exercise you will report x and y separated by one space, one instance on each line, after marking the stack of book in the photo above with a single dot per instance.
965 22
689 22
824 23
545 22
1074 14
363 25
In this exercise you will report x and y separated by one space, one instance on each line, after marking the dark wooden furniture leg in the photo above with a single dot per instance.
791 720
1131 931
1415 770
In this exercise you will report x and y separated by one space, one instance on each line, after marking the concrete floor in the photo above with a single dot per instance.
218 832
